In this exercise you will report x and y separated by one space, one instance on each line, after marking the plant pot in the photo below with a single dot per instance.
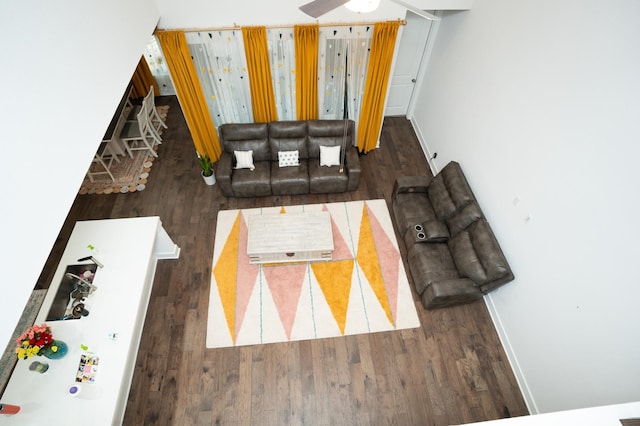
209 180
62 350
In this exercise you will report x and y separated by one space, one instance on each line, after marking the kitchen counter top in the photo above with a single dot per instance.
129 250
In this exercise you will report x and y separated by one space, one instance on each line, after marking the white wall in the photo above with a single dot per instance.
65 67
202 14
540 100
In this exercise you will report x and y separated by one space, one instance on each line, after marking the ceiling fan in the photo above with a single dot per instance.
317 8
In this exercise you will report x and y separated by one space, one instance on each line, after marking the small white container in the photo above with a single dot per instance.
84 391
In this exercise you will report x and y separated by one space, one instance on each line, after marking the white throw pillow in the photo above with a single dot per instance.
288 158
244 159
329 155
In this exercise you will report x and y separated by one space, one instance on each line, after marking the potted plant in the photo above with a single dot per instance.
207 169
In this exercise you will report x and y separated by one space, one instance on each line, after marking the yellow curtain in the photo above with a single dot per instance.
263 100
306 45
375 90
143 80
187 85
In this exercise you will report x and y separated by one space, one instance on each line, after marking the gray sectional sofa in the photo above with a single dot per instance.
266 140
453 255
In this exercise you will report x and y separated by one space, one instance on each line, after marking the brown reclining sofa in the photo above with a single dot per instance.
453 255
265 140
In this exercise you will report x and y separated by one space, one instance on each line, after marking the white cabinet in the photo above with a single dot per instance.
129 250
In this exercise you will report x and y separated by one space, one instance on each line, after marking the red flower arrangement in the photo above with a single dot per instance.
37 340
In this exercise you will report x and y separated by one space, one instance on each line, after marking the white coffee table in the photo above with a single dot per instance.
289 237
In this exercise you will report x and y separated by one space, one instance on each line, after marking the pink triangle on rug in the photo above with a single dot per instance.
285 283
247 274
389 268
340 248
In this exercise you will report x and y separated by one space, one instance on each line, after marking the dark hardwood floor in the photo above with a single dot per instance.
451 370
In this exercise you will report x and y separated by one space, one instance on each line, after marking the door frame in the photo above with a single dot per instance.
424 62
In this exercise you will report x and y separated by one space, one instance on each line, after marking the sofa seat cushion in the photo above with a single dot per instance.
430 263
252 183
410 209
326 179
290 180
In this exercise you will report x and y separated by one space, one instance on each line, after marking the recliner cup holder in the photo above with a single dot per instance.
418 232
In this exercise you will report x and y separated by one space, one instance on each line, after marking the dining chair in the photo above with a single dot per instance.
104 157
154 117
155 121
138 136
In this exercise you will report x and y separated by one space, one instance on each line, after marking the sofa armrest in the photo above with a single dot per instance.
223 174
352 163
411 184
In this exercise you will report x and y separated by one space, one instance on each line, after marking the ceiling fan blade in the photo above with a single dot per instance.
417 11
318 8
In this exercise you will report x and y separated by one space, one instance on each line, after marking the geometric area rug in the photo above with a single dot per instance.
130 174
363 289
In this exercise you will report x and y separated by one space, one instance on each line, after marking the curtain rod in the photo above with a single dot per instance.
239 27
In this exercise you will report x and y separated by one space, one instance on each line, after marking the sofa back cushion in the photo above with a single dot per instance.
449 191
477 254
246 137
329 133
288 136
464 217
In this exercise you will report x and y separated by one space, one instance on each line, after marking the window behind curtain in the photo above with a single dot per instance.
158 66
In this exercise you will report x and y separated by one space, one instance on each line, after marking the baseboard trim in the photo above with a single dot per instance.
423 144
511 356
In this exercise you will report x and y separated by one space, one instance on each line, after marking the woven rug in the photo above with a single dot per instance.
363 289
130 174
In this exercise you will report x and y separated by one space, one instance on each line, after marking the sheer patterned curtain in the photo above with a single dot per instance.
158 66
221 65
282 56
342 69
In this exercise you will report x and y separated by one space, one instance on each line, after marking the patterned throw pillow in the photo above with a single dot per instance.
244 159
329 155
288 158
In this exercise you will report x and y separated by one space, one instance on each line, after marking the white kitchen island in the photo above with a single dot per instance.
128 249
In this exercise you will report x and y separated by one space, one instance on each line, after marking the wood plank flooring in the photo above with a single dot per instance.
452 370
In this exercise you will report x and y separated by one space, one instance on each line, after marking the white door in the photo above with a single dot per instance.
410 52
